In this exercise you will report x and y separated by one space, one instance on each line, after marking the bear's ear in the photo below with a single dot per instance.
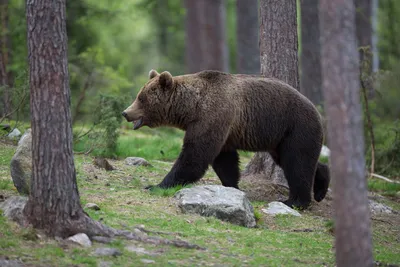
152 74
166 80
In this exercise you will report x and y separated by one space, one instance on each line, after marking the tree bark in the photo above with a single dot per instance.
279 59
310 61
340 71
5 74
53 204
248 51
206 46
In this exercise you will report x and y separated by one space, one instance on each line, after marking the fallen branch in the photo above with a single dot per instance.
383 178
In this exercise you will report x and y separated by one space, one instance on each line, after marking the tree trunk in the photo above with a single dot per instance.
364 37
206 46
5 75
310 61
375 55
248 51
278 48
53 203
340 71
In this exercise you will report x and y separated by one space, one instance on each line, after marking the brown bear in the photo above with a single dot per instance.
222 113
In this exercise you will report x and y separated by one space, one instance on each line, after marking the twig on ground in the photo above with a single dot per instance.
142 229
383 178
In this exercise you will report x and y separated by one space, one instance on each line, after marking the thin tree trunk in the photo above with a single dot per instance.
341 86
310 61
54 204
364 37
5 75
248 51
374 42
206 46
279 59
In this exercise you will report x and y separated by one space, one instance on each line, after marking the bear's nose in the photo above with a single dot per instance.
124 114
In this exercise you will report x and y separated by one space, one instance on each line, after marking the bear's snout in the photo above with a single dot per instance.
124 114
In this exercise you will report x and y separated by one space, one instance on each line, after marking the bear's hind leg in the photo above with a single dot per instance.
226 166
299 168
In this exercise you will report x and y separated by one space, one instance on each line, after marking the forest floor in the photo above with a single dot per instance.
283 240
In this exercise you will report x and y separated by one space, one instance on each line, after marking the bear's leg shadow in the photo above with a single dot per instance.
226 166
299 166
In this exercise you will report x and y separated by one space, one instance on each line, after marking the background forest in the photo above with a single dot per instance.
113 44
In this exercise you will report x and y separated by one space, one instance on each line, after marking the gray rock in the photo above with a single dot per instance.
21 164
276 207
147 261
92 206
10 263
102 239
379 208
136 161
225 203
13 208
81 239
325 151
107 252
14 134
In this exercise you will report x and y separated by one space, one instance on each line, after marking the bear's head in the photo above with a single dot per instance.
151 103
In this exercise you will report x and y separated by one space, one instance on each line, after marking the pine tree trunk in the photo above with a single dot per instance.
279 59
364 37
206 46
53 204
5 74
248 51
340 71
310 61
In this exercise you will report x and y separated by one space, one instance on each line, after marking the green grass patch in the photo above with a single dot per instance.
383 187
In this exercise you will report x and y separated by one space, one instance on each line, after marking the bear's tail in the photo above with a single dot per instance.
321 181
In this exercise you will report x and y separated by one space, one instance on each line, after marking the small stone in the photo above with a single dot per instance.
10 263
325 151
104 264
107 252
136 161
92 206
81 239
147 261
276 207
102 239
14 134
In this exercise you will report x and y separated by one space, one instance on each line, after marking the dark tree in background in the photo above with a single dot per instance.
53 204
278 47
340 71
206 46
248 51
310 61
5 74
364 25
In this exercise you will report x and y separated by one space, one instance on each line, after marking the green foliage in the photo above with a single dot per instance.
156 191
105 129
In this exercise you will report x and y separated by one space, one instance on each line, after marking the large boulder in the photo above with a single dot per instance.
21 163
225 203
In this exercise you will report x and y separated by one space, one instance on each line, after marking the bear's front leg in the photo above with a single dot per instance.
198 151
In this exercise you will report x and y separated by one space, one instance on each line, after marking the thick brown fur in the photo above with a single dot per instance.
222 113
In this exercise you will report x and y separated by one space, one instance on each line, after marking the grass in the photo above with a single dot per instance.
123 202
383 187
